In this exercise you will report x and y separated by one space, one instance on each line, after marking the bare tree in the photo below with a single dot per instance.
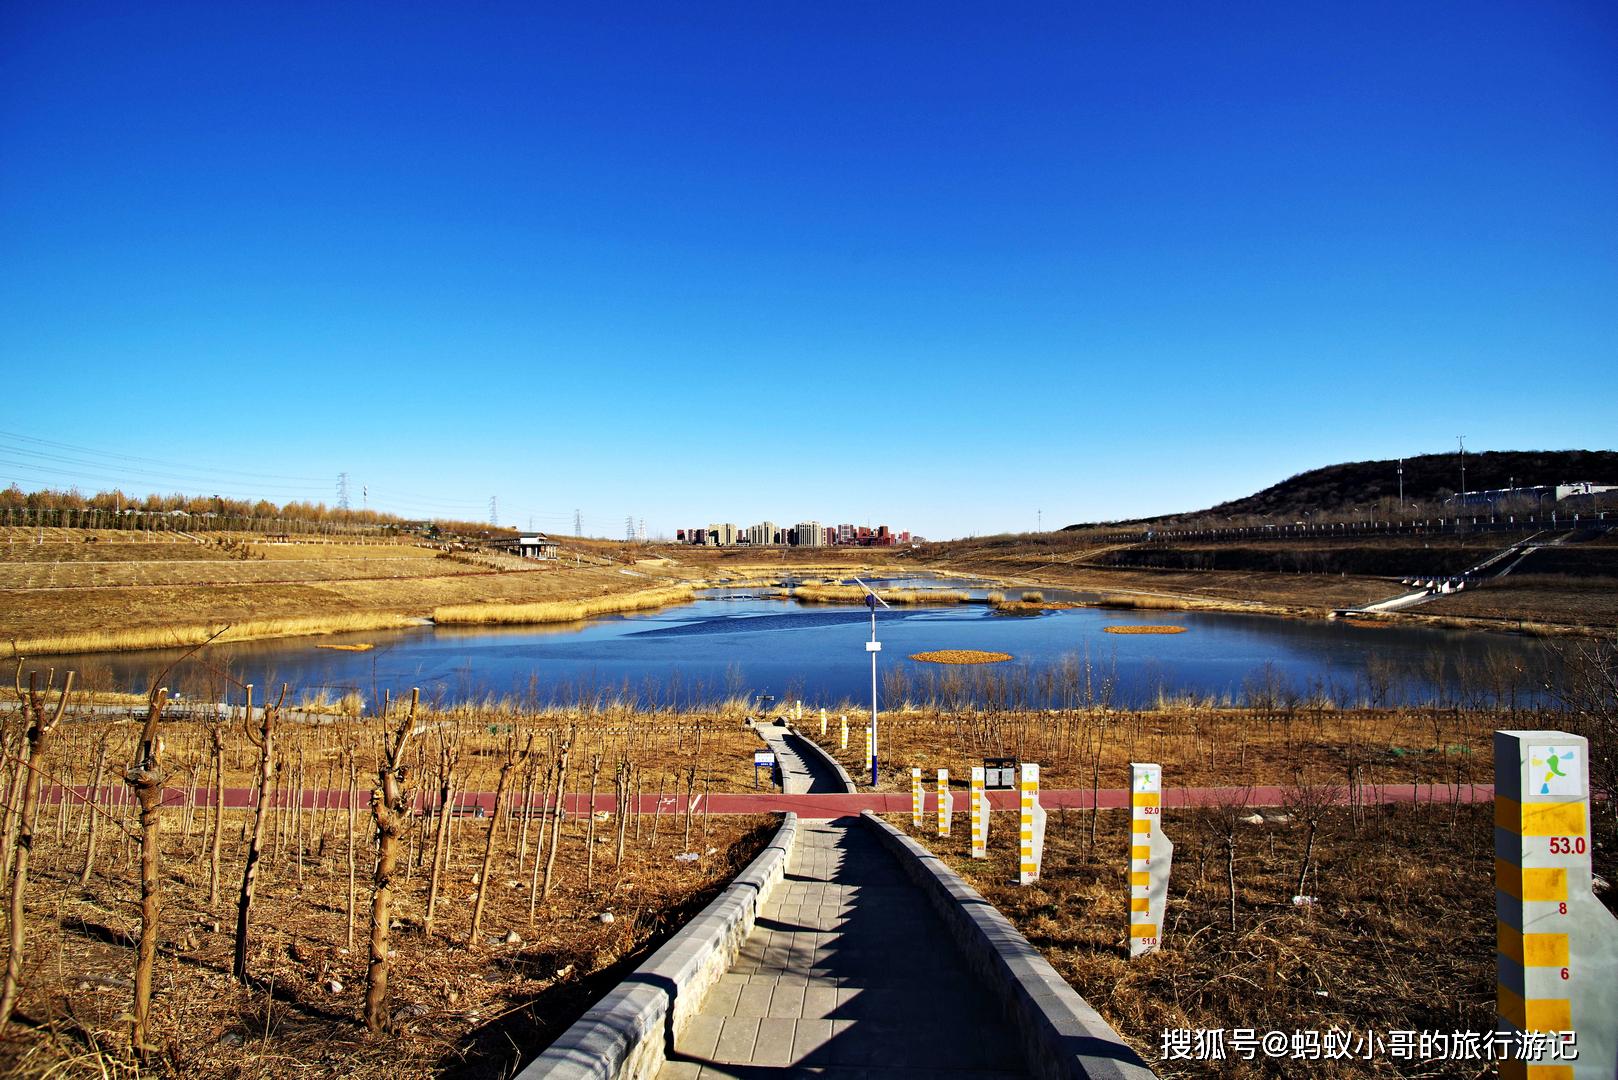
264 739
95 818
1307 800
449 755
145 777
514 759
1585 683
556 830
41 722
388 807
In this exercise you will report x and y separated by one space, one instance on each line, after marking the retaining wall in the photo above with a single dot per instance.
629 1032
1062 1037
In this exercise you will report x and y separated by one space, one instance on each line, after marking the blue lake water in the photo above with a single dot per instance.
741 643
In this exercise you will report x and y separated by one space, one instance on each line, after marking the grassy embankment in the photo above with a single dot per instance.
59 596
1571 587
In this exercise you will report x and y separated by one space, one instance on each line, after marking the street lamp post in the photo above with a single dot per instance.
873 647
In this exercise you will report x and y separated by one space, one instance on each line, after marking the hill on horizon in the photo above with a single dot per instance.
1427 478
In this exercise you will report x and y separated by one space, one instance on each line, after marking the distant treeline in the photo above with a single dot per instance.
116 509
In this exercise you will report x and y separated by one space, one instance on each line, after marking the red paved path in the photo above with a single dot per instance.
830 806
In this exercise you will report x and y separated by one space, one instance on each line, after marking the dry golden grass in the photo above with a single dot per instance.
559 610
961 656
358 646
1197 747
163 637
1405 904
853 594
1144 629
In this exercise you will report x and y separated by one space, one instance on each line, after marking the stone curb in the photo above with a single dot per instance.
630 1032
1062 1037
815 750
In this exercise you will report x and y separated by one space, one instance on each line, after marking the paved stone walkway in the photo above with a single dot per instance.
848 974
802 773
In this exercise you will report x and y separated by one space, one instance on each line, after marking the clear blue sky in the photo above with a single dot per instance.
939 266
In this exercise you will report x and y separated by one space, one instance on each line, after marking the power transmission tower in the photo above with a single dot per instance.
578 523
494 511
640 533
1462 440
342 491
629 527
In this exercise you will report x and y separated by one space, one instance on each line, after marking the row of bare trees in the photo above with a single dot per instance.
182 770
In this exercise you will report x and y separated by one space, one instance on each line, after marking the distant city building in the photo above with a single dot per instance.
803 534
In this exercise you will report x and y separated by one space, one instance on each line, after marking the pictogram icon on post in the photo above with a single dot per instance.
980 815
1150 855
946 803
918 800
1557 945
1031 828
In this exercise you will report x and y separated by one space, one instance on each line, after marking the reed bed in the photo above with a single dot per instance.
961 656
1144 629
167 637
853 594
556 611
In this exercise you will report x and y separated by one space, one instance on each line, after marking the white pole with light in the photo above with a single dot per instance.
873 647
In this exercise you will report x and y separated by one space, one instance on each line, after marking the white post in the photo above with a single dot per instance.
918 800
822 723
844 722
1031 827
946 803
1150 856
1557 945
980 815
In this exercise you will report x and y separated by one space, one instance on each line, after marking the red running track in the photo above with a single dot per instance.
831 806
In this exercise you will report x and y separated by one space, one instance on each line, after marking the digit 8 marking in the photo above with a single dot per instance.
1561 909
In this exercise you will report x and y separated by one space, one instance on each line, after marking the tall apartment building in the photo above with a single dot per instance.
809 534
762 533
723 534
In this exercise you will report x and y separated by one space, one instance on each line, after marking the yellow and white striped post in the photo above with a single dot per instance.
867 742
797 710
918 800
1031 828
946 803
1150 854
843 721
822 723
980 815
1557 945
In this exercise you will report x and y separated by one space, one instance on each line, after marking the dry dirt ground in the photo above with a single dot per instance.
458 1010
1400 936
